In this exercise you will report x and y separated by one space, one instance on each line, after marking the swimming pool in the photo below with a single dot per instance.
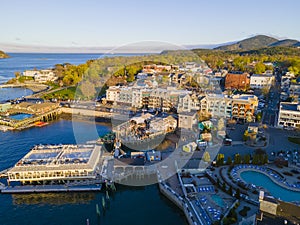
218 200
264 181
20 116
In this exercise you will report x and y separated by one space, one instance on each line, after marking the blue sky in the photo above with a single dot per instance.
72 23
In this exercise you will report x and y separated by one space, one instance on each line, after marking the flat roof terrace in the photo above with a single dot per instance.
59 158
55 155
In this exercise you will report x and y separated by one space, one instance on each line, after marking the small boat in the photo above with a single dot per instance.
87 222
40 124
107 195
97 210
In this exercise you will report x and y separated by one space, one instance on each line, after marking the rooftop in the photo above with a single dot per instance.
57 157
289 106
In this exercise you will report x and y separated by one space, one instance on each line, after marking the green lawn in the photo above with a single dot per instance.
68 93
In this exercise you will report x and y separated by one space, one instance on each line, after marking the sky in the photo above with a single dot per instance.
90 23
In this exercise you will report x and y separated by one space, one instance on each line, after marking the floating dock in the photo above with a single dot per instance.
49 188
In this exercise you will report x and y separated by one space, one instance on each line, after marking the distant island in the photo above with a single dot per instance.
3 55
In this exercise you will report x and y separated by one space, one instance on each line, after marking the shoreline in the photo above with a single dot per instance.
35 87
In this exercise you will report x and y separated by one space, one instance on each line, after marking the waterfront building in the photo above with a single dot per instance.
33 108
55 164
259 81
289 115
41 76
140 96
44 76
238 81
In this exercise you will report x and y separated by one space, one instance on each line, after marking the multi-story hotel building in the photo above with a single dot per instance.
236 106
289 115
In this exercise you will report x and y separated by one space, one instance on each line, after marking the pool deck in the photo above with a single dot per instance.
284 182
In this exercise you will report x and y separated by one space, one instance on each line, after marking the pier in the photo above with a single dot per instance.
21 124
87 112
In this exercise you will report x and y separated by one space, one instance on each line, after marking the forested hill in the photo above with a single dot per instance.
3 55
257 42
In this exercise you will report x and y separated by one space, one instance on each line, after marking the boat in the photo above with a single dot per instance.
40 124
97 210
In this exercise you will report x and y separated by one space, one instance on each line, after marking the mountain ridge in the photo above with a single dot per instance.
257 42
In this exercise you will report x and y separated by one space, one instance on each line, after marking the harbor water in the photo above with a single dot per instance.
128 205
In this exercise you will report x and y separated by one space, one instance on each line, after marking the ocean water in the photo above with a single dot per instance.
19 62
127 206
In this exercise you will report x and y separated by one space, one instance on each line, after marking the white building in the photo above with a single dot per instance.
41 76
112 93
261 80
188 102
44 76
289 115
216 105
187 120
294 89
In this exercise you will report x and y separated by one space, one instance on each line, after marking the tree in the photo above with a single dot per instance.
237 159
220 159
218 182
237 193
265 91
259 68
88 89
206 157
230 190
258 117
245 136
265 159
224 186
247 159
229 160
17 74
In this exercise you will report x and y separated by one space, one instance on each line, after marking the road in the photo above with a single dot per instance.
270 112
